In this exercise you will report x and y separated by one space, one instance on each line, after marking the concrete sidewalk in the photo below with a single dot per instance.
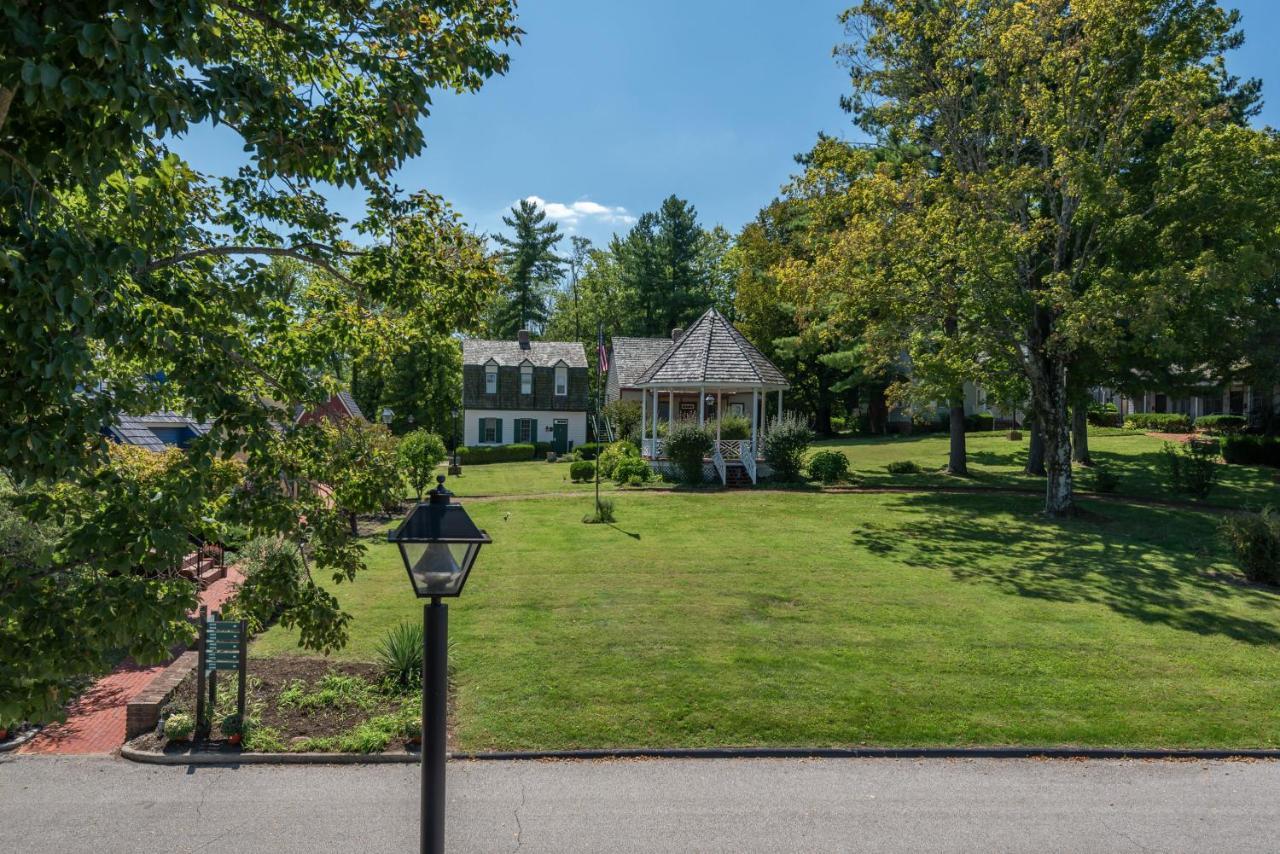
102 805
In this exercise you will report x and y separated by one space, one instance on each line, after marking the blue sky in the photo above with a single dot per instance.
609 107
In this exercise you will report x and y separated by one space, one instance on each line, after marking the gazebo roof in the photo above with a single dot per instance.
712 352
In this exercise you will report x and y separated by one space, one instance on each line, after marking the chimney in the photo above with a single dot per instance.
676 332
523 337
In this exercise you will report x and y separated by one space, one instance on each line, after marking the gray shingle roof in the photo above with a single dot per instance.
541 354
633 356
712 351
350 403
128 430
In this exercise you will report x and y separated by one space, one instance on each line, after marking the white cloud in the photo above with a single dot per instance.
575 212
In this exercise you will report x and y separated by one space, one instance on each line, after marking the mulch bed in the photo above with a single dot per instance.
267 678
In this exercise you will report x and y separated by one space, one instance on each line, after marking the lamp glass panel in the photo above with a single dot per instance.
437 569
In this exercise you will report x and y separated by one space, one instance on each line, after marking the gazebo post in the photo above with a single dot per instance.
755 417
719 416
779 404
702 405
653 448
644 400
671 410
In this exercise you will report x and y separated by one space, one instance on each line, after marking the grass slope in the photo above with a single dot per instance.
814 619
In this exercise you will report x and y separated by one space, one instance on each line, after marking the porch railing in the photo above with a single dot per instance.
719 463
748 458
654 445
729 448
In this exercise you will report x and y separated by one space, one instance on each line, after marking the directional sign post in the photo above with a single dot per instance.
223 646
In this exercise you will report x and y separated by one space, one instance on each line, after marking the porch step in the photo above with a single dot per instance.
735 474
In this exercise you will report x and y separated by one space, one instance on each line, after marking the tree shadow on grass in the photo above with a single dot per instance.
1146 564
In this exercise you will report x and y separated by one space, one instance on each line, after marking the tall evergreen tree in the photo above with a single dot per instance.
532 269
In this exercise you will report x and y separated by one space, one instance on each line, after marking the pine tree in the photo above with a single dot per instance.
532 269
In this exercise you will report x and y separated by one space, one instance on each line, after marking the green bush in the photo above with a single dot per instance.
476 455
1254 540
179 726
231 725
613 454
624 416
601 514
399 655
631 470
732 427
1159 422
829 466
420 452
1251 450
686 444
1221 423
588 450
1103 415
1191 467
582 470
979 422
785 446
903 467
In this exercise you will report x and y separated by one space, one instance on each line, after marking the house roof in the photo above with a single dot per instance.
541 354
633 356
353 408
136 429
713 352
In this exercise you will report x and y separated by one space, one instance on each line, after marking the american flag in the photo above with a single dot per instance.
602 350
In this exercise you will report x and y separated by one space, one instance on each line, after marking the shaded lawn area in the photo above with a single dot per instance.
750 618
997 461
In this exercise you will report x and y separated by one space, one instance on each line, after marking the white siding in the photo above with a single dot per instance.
544 417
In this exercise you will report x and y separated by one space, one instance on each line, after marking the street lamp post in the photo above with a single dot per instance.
454 468
387 415
438 543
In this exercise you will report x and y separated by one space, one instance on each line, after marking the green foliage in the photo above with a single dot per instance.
475 455
582 470
1159 422
601 513
624 415
786 444
1103 415
372 735
262 739
399 655
1254 540
179 726
903 467
532 269
732 427
979 421
231 725
686 445
417 373
829 466
420 452
1104 479
1191 467
1252 450
331 691
614 453
1221 423
588 450
632 470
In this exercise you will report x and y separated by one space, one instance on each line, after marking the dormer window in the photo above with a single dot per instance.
562 381
526 379
491 378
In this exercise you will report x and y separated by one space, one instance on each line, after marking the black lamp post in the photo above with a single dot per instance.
455 469
387 415
438 543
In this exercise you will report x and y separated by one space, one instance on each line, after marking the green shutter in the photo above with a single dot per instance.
533 432
480 435
497 430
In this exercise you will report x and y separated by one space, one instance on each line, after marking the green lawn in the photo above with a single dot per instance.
524 479
995 460
755 618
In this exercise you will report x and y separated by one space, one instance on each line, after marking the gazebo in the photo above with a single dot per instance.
711 370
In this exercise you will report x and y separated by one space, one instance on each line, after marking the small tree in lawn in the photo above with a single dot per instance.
687 443
356 461
785 445
420 452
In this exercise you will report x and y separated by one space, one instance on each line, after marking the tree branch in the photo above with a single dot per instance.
6 98
295 252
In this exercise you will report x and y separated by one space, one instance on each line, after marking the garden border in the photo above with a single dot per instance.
993 752
19 740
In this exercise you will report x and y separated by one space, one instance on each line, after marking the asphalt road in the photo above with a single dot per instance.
105 805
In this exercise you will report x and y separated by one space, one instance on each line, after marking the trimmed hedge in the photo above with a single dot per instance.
1254 539
1244 450
1160 422
582 470
1221 423
481 454
829 466
979 421
589 450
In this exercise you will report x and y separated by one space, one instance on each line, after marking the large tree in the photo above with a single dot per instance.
1037 113
532 270
133 282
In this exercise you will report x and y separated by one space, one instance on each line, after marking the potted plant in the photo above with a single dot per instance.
179 726
233 728
411 728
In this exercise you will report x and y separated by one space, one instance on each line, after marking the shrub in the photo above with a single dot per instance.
733 427
588 450
631 470
613 454
600 514
829 466
1104 480
582 470
1251 450
687 443
1103 415
476 455
1191 467
903 467
1254 540
399 655
1160 422
1221 423
179 726
785 446
231 725
624 416
420 452
979 421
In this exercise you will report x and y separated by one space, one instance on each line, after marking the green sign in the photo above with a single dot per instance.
222 645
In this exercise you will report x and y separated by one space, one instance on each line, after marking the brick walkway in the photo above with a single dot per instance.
95 720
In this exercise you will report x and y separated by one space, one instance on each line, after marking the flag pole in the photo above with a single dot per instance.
599 409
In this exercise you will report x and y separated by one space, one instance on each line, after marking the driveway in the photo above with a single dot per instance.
104 805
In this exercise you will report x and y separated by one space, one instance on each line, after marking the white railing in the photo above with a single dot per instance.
719 463
748 458
729 448
655 448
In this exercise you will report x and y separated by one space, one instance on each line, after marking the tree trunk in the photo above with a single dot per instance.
355 529
1080 435
958 463
1035 450
1059 498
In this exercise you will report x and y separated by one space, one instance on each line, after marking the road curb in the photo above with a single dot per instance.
228 758
16 742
